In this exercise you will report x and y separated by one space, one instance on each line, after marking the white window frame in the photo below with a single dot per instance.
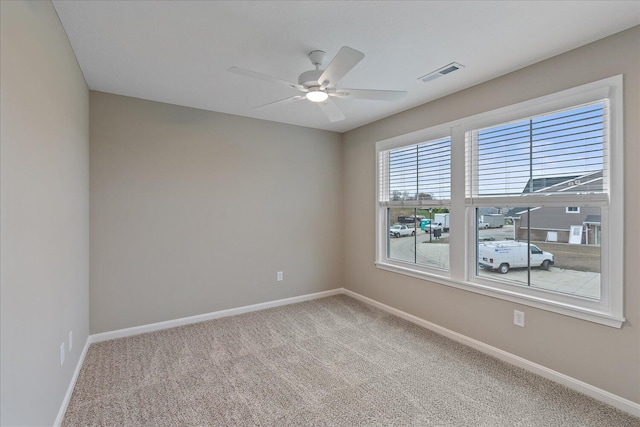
609 309
432 134
570 209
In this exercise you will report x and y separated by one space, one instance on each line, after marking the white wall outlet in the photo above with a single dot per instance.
70 340
518 318
279 276
61 354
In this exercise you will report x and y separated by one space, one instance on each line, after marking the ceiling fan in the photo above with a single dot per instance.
319 86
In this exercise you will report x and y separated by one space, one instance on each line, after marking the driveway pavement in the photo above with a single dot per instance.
564 280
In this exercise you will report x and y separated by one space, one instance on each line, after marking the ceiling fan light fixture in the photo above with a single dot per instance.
316 95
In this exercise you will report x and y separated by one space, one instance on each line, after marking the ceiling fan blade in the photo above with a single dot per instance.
265 77
344 61
376 95
331 110
281 101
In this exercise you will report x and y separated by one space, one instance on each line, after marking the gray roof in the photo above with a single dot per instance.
592 219
540 183
591 181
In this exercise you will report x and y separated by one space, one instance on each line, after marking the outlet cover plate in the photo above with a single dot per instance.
518 318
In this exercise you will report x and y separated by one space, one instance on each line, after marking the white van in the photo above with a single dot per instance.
507 254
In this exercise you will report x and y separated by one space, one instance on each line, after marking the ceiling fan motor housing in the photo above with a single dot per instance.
310 78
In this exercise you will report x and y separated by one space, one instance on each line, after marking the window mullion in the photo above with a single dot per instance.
457 236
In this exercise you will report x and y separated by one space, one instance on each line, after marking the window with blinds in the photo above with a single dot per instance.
417 174
560 153
541 180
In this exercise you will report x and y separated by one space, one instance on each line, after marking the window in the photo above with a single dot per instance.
540 160
523 203
415 190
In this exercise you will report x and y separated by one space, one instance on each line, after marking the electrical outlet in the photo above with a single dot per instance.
518 318
70 340
279 276
61 354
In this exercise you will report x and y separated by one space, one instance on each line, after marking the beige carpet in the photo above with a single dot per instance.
328 362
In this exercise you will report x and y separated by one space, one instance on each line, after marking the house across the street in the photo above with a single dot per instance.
559 224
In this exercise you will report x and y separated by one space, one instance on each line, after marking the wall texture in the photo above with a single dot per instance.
195 211
602 356
44 173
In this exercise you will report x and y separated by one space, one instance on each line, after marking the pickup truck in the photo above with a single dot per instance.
401 230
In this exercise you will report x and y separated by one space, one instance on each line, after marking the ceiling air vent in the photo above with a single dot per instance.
447 69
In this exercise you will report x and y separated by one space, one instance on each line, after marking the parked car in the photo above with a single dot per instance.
401 230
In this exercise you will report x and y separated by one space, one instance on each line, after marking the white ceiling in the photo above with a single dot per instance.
178 51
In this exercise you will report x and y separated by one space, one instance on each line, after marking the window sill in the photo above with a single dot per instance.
566 309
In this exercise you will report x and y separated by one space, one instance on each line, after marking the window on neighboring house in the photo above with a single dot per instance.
487 198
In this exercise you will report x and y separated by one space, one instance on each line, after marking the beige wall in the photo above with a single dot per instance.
44 175
602 356
195 211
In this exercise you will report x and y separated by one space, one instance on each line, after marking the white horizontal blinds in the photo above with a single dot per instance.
558 153
383 177
434 170
417 174
403 173
470 165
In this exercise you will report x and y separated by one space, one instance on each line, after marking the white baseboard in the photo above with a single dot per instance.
120 333
72 384
570 382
